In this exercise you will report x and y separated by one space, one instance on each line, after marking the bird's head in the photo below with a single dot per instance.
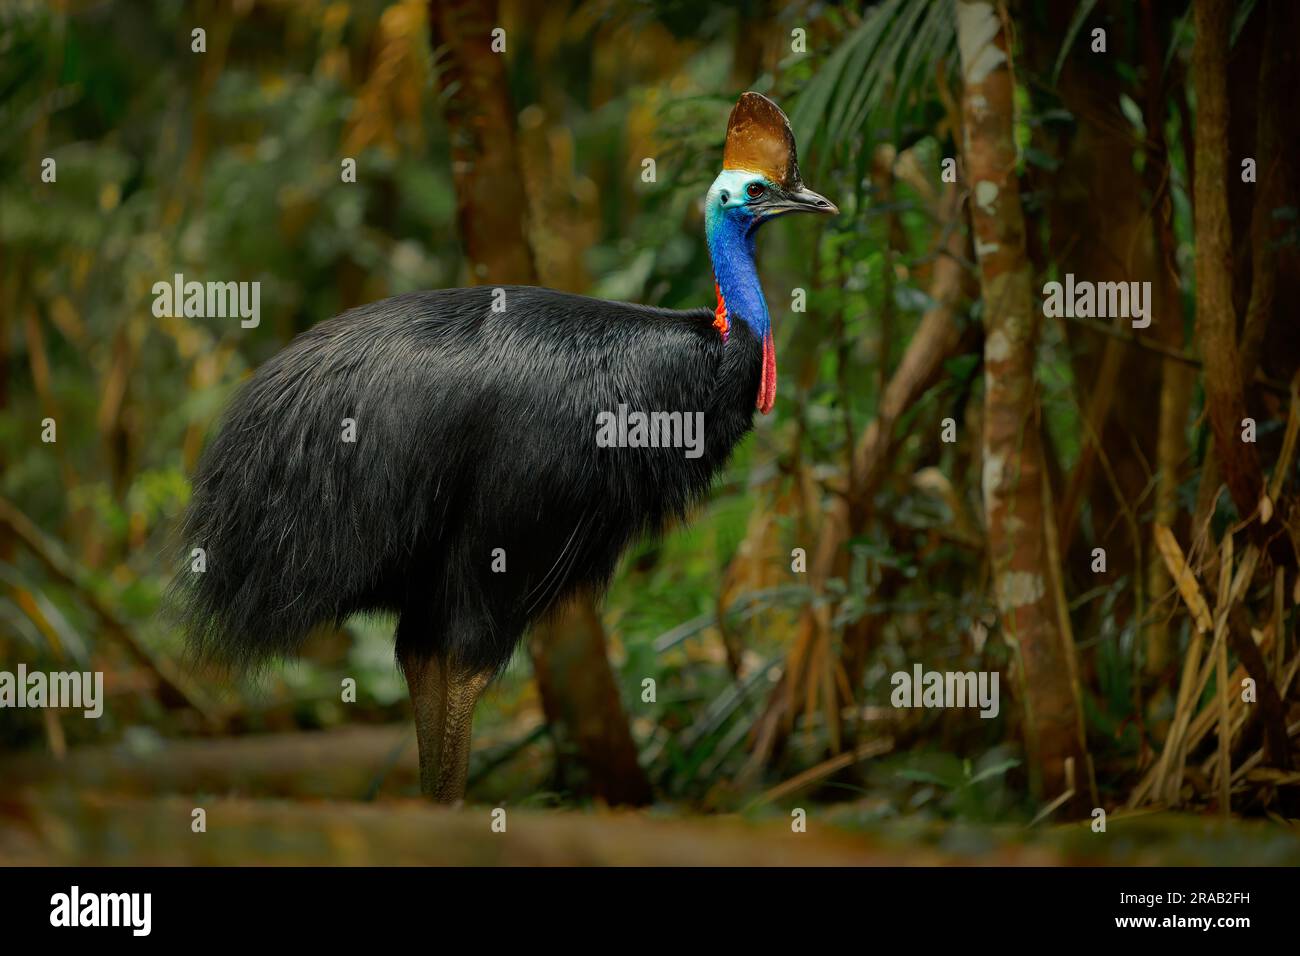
760 170
759 181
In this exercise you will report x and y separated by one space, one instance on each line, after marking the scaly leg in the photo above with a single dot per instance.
426 679
463 689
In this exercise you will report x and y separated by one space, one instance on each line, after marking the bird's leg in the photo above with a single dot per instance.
426 679
463 689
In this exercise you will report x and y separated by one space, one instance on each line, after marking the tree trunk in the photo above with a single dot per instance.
1270 193
1015 509
491 206
1099 230
578 691
1176 381
581 701
1216 326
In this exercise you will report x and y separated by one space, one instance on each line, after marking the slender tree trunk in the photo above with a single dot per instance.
1216 325
577 687
1099 230
1176 381
1271 190
1015 509
491 206
581 701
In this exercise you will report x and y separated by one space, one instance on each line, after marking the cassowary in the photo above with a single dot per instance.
436 455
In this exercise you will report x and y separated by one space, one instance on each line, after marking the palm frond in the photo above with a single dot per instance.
1081 13
871 78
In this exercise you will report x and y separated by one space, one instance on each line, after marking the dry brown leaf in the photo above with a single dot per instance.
1188 589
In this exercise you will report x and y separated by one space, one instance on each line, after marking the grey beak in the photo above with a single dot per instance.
803 199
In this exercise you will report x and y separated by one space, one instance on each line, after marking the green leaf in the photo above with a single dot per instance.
1082 13
1036 157
871 79
995 770
1239 20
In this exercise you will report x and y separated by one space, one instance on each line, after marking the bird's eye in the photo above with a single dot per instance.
725 197
754 190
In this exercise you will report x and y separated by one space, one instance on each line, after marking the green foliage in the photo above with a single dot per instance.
873 77
1081 13
972 791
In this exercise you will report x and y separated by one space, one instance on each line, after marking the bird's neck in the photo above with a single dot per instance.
740 294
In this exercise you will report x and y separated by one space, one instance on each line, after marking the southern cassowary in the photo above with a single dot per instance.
435 455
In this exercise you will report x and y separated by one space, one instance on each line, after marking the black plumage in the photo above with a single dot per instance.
475 430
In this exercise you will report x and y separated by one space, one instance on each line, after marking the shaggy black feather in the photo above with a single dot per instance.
475 430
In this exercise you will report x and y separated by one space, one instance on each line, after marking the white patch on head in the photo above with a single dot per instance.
733 183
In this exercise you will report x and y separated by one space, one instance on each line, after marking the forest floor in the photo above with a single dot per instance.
279 799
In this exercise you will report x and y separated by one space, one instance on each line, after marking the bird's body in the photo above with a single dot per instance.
475 430
441 455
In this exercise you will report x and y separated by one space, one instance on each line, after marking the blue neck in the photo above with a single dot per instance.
731 247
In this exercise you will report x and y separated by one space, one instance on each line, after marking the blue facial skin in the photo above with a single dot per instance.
730 222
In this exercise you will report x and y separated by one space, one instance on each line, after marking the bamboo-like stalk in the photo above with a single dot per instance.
1068 647
1225 727
1166 778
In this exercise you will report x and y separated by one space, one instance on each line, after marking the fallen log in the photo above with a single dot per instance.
340 763
122 830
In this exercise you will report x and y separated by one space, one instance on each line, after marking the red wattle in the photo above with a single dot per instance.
767 385
721 322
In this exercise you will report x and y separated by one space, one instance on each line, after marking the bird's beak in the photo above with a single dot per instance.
800 199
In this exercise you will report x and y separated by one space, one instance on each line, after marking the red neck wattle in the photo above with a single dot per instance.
720 321
767 385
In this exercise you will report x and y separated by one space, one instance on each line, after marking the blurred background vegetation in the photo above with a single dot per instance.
772 686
